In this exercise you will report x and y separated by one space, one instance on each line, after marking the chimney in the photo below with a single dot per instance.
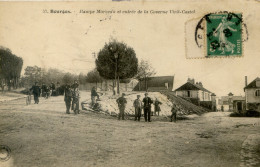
200 84
245 80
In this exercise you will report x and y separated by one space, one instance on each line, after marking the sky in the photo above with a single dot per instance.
68 41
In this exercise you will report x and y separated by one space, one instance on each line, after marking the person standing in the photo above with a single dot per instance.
157 107
147 107
174 112
67 98
36 90
52 89
121 101
75 99
138 108
44 90
93 96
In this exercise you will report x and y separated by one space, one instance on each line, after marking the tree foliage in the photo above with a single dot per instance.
10 67
46 76
94 77
145 70
126 62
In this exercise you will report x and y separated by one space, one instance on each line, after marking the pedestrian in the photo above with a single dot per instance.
174 111
29 98
67 98
138 108
157 107
121 101
147 107
36 90
93 96
75 99
52 89
44 90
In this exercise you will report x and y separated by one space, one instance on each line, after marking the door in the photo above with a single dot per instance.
239 106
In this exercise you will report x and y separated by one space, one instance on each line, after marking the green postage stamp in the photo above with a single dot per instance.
224 35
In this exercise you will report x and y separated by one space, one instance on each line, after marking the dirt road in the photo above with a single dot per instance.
43 135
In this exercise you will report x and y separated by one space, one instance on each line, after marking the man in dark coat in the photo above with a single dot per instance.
93 96
121 101
67 98
174 112
44 90
36 90
147 107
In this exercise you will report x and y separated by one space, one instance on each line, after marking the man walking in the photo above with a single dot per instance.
147 107
75 98
174 112
67 98
121 101
36 90
138 108
93 96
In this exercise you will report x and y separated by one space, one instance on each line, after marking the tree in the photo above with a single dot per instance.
145 70
125 81
117 61
31 75
94 77
82 78
10 67
68 78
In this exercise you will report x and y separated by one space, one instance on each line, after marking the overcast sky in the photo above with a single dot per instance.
67 41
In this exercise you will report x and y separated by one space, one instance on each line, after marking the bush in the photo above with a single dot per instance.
249 113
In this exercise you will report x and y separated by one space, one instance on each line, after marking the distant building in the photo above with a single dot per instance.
232 103
159 83
197 94
252 93
193 90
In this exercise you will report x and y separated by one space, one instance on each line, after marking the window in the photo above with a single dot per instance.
257 93
189 93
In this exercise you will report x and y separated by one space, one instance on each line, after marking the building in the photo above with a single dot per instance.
252 93
107 85
197 94
160 83
192 90
232 103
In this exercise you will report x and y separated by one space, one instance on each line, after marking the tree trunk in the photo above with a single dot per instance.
101 85
139 84
146 84
8 84
114 91
105 85
118 90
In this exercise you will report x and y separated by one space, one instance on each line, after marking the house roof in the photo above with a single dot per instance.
253 84
191 86
153 82
238 98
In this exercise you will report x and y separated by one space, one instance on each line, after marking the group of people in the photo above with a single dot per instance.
44 91
145 105
71 97
47 91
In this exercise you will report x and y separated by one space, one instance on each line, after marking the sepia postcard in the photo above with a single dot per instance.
130 83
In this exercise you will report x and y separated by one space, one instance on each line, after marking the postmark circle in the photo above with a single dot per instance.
5 153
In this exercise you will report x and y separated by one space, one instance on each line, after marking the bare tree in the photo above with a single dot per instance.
145 70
